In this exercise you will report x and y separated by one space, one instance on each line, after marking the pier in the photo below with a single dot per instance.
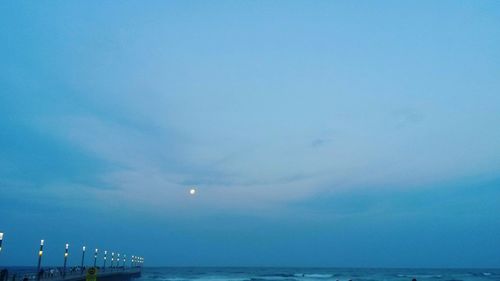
109 266
115 274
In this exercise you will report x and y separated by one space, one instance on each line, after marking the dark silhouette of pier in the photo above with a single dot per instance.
52 274
105 268
73 274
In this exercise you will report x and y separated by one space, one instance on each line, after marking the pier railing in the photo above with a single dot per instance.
52 273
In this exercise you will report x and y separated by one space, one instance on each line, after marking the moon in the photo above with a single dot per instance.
192 191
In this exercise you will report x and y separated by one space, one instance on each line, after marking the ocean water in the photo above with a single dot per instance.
315 274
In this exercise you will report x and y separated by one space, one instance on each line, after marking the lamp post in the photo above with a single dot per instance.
132 261
1 240
112 259
83 259
118 260
105 257
40 254
124 260
95 256
65 259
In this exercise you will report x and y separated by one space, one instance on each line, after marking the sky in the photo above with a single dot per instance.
317 133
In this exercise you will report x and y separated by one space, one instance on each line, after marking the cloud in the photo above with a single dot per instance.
152 167
320 142
139 122
407 117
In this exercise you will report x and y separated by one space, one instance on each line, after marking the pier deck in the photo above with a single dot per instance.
108 274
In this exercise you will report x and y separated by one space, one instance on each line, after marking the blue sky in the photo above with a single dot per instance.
326 133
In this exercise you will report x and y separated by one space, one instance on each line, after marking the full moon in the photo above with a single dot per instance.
192 191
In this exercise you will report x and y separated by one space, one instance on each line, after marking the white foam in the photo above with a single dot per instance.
313 275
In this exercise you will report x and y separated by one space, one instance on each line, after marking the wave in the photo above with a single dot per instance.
313 275
281 276
273 278
197 278
285 275
425 276
163 278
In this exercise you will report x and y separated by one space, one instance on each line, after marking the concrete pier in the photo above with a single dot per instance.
125 275
113 269
110 274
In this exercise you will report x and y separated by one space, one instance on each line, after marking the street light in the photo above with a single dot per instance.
1 240
105 257
40 254
83 259
124 260
65 259
112 259
118 260
95 256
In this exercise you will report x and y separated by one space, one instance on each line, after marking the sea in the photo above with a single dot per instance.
314 274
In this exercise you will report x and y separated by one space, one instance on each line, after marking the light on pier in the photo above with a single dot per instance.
40 254
105 257
1 240
66 253
95 256
83 258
